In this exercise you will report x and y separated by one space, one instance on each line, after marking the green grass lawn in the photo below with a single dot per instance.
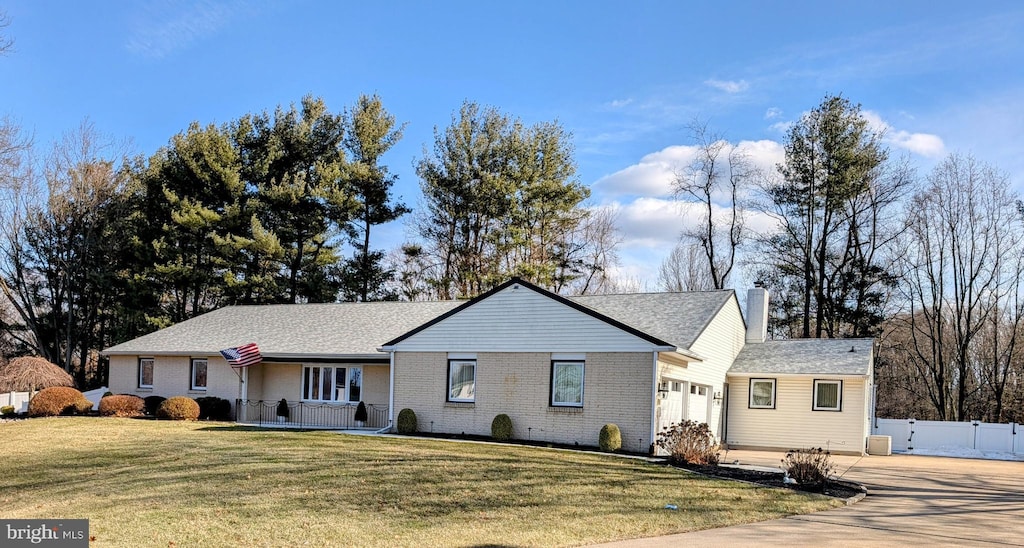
150 483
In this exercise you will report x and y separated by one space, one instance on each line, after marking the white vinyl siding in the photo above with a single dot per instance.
793 424
522 320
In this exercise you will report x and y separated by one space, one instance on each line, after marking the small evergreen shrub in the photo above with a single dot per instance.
809 468
107 393
360 412
214 408
406 421
7 410
689 442
179 408
282 408
123 405
153 404
501 427
58 400
610 439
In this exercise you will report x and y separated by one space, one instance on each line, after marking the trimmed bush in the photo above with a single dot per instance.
179 408
58 400
124 405
360 413
282 408
153 404
406 421
7 410
501 427
214 408
809 468
610 438
689 442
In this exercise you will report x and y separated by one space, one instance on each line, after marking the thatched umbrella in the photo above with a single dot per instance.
29 374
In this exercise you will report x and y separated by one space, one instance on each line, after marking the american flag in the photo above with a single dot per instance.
242 356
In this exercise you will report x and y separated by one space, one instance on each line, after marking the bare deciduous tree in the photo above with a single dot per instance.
716 179
685 269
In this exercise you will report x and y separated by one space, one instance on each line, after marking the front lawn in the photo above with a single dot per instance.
150 483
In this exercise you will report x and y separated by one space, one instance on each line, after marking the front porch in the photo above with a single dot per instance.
303 414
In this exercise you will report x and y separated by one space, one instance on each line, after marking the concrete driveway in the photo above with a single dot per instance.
912 501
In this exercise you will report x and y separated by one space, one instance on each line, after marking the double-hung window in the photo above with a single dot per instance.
828 395
567 383
762 394
332 384
145 372
199 369
462 381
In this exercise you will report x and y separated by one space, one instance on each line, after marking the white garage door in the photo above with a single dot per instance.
697 403
671 406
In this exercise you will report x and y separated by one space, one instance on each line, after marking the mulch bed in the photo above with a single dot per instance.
838 489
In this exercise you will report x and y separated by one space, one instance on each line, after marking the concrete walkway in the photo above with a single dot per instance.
912 501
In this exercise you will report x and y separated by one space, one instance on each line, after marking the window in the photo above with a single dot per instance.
828 395
334 384
199 374
762 394
567 384
677 386
145 372
462 380
698 390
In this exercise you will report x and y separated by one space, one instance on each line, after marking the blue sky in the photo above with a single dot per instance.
624 78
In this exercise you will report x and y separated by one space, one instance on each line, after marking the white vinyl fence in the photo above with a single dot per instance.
20 399
910 434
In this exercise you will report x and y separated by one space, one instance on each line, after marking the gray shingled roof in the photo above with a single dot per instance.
678 318
317 329
805 357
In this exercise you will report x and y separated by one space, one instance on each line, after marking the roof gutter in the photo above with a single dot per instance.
820 375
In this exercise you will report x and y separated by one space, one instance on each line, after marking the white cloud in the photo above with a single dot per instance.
167 27
772 113
654 174
923 144
728 86
781 127
619 103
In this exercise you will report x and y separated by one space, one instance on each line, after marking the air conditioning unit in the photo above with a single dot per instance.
880 445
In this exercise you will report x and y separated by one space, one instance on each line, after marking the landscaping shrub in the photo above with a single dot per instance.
610 438
7 410
179 408
360 413
123 405
809 468
501 427
58 400
214 408
282 408
689 442
406 421
153 404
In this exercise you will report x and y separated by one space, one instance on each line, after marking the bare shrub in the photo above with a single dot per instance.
809 468
689 442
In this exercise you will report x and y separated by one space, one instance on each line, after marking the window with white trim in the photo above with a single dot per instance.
199 370
762 394
145 372
567 384
462 381
332 384
828 395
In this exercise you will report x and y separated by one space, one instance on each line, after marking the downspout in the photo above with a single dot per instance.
391 391
654 400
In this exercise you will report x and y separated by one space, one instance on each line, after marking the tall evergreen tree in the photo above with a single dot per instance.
370 132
